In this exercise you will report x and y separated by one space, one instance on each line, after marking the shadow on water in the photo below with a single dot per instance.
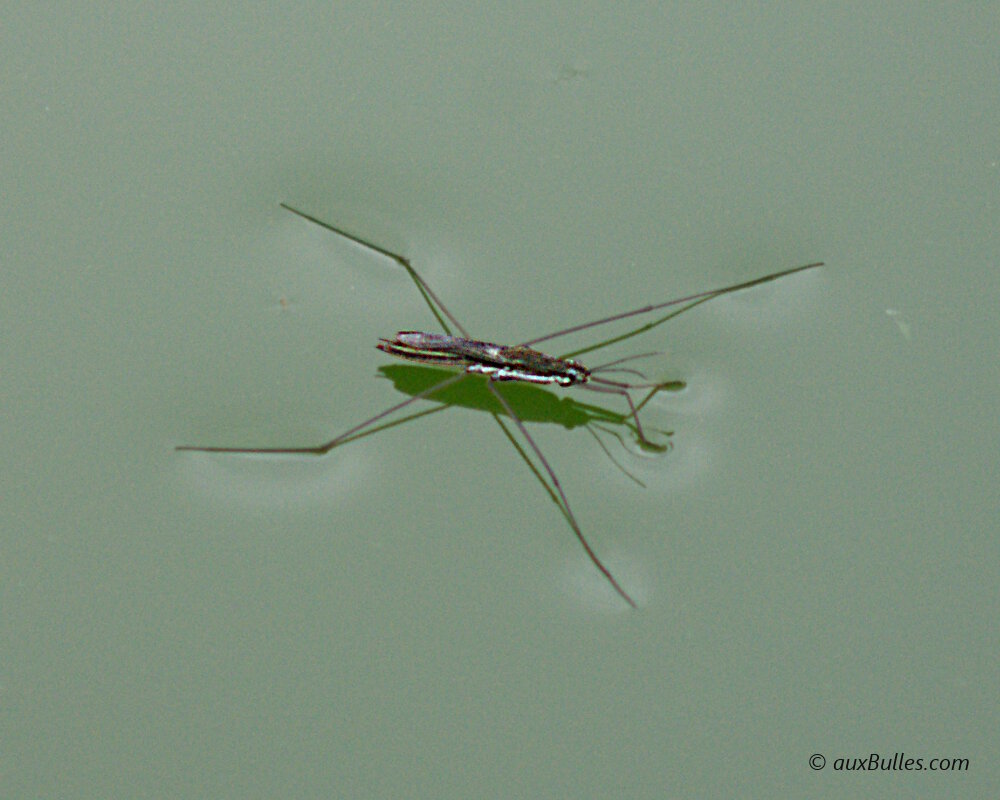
531 403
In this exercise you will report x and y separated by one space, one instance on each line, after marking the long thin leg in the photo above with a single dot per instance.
435 303
519 448
655 307
429 296
611 458
322 449
612 387
562 496
422 285
655 389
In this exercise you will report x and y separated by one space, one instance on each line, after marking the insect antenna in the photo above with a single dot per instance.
567 511
612 366
617 361
621 369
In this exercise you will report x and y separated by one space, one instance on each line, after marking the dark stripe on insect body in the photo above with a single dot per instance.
425 356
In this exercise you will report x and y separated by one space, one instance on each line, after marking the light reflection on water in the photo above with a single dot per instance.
269 481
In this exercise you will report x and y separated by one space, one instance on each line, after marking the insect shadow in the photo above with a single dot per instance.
529 403
522 364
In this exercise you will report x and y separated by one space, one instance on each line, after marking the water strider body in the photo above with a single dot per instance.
500 363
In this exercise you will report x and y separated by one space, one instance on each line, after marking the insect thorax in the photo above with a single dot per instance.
520 363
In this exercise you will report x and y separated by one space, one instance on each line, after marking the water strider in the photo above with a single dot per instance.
501 363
